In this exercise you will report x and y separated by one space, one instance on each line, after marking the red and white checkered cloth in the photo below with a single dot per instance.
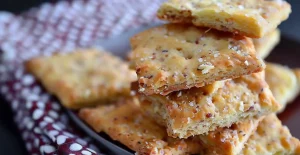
61 26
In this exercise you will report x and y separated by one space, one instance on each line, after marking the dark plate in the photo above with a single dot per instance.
285 53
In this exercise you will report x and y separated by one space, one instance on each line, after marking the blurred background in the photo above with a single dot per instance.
10 140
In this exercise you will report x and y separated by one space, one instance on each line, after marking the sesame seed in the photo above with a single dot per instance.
234 48
246 63
241 108
225 109
280 2
219 4
132 93
207 30
175 105
206 67
235 133
179 94
209 101
142 89
87 93
191 104
223 140
189 120
216 55
229 46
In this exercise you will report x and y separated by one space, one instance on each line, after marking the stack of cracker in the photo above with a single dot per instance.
203 85
202 77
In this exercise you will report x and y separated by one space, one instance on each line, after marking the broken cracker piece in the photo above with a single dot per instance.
271 137
125 123
283 83
84 77
229 140
252 18
266 44
197 111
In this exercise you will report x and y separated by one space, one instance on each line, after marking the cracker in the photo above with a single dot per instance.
266 44
125 123
84 77
283 83
252 18
231 140
271 137
173 57
200 110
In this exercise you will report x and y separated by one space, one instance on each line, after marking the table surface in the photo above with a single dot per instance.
11 142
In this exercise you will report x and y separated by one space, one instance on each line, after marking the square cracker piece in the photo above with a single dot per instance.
229 140
199 110
84 77
266 44
271 137
173 57
252 18
283 83
125 123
